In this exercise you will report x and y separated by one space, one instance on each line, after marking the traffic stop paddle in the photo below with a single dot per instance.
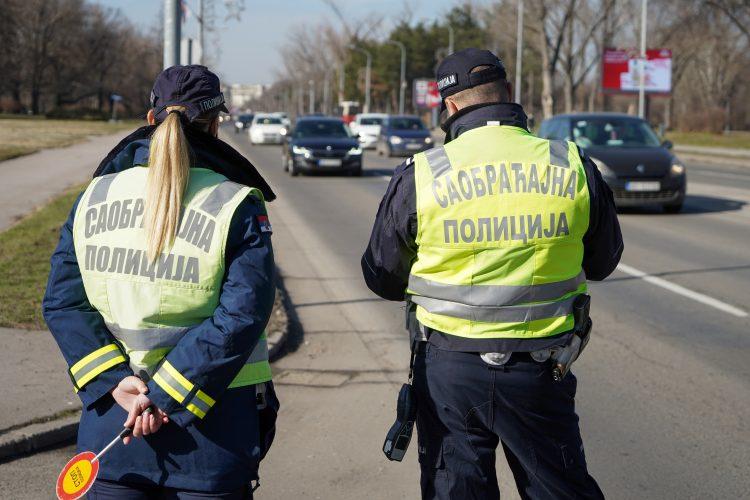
80 472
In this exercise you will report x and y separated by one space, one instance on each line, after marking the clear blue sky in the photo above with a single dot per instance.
250 47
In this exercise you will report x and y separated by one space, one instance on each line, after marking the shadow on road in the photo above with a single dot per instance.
694 204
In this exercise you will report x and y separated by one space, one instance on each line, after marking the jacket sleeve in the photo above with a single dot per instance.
96 363
602 243
197 371
392 248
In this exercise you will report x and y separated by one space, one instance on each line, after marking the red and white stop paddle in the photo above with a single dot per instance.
80 472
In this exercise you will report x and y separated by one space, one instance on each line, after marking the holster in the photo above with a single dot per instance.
563 358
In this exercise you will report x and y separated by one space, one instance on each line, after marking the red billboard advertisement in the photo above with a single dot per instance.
426 94
622 71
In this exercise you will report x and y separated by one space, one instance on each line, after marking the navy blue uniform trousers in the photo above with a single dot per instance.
466 408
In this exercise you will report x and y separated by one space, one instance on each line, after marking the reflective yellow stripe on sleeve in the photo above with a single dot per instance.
93 364
181 389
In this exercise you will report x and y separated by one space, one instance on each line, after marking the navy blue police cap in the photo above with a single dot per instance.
454 73
195 87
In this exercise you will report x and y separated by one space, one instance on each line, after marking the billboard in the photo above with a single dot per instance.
426 93
621 71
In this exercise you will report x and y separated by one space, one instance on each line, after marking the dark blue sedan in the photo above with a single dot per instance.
403 135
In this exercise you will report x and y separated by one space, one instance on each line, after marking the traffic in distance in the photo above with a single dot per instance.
638 166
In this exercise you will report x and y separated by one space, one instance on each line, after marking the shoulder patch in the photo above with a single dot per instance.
264 224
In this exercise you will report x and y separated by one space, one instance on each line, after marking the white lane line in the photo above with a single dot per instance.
681 290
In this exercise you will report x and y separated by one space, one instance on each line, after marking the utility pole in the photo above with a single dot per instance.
368 69
519 51
342 75
642 65
327 92
402 80
450 39
311 90
172 35
200 32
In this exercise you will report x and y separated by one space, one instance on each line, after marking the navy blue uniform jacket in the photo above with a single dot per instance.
392 248
221 451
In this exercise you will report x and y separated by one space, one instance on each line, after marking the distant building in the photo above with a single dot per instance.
240 95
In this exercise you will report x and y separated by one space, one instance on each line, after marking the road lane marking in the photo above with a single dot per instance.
681 290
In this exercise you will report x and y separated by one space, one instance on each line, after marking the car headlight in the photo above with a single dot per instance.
428 140
282 131
677 169
355 151
301 151
603 168
394 139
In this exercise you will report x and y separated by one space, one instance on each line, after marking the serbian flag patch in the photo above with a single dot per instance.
265 224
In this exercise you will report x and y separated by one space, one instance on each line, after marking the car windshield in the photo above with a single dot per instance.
613 132
406 124
371 121
268 121
323 128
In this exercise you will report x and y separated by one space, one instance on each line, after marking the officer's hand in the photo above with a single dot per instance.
127 390
142 423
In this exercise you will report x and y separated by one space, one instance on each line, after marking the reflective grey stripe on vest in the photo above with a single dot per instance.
147 339
100 189
220 196
260 353
438 161
504 314
495 295
558 153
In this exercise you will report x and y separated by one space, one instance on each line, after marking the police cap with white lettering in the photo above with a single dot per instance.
454 73
192 86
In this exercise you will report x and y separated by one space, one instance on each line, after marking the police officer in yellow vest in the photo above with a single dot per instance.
158 296
491 239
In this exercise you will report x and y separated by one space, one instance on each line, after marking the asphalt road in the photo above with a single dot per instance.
663 391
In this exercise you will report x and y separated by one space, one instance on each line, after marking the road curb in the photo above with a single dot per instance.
34 437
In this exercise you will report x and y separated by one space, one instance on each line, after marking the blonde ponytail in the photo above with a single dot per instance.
168 172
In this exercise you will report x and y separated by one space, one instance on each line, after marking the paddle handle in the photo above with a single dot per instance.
127 431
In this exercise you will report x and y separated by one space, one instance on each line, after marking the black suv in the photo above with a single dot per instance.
321 144
638 168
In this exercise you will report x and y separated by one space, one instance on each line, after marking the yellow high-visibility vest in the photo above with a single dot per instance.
148 306
501 218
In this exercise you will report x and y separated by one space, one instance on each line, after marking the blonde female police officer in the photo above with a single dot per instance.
159 292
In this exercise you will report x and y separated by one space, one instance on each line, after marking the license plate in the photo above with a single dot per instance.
643 186
328 162
414 145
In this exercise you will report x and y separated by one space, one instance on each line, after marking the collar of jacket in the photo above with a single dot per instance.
205 150
505 113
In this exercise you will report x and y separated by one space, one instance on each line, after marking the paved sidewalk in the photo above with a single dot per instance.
32 180
35 387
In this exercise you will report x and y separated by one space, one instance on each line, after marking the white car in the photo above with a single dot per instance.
284 118
267 129
367 125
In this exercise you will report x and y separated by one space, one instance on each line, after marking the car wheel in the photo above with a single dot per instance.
293 170
285 165
357 172
390 152
673 208
380 150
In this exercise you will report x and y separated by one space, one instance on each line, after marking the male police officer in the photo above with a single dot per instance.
492 238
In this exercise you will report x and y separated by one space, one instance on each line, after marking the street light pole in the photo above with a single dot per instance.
402 80
519 50
311 83
172 34
200 31
450 39
642 65
368 70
